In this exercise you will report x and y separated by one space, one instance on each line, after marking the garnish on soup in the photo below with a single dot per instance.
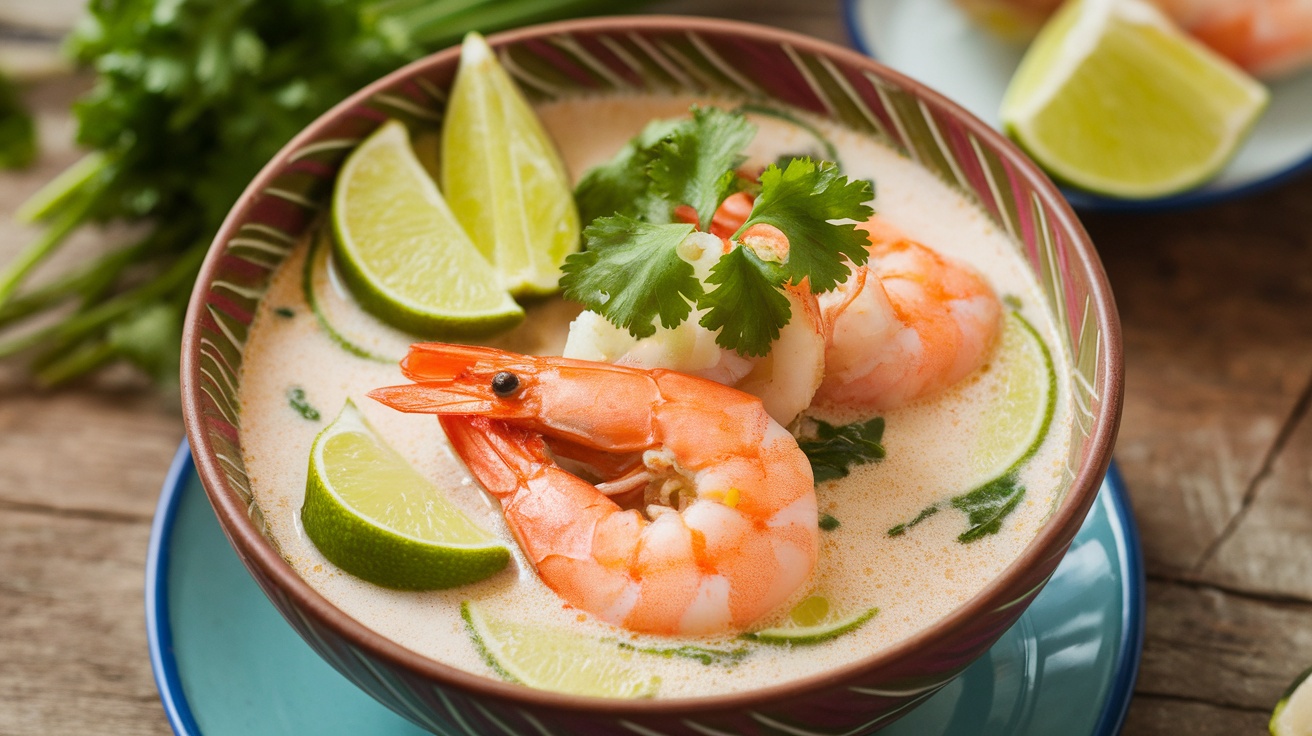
657 518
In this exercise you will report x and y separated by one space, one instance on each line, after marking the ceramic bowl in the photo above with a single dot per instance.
658 54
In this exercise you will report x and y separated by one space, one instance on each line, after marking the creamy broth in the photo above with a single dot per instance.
914 579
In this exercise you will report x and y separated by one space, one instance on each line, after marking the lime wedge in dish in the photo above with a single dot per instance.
1018 418
555 659
812 622
1293 714
376 517
402 253
502 176
1114 98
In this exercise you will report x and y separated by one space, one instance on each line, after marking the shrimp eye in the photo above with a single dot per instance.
505 383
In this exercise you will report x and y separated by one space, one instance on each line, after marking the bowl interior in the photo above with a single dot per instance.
658 55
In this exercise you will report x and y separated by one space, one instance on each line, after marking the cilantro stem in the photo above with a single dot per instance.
41 248
84 282
60 191
86 357
494 15
183 271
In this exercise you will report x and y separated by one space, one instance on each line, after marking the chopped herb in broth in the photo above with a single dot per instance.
828 523
835 450
296 398
705 655
925 513
986 506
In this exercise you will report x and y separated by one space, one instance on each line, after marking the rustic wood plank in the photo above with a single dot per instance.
74 638
1270 549
1155 715
92 450
1221 647
1217 309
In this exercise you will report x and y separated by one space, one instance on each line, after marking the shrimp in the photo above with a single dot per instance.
1267 38
906 325
728 529
785 379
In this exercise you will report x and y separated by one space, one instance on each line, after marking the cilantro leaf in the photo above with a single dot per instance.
631 273
694 164
746 305
801 200
620 186
986 506
834 451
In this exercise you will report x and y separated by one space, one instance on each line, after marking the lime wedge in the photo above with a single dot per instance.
812 622
1293 714
1114 98
1016 422
555 659
503 177
374 516
401 251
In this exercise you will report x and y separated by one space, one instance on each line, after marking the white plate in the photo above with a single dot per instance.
935 42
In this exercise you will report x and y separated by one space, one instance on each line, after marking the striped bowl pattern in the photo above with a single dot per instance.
632 55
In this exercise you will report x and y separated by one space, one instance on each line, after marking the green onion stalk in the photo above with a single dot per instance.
191 98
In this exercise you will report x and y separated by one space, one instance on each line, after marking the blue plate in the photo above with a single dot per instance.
934 42
227 663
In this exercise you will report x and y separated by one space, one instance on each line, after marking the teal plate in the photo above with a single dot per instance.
227 663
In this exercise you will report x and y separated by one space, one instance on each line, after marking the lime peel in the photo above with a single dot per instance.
803 635
1112 97
316 260
377 518
503 178
555 659
402 252
1293 713
1018 424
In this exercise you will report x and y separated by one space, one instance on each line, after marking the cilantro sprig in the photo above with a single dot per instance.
653 281
191 98
630 271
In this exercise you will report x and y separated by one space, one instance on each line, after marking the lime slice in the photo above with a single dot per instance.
1016 422
1293 714
374 516
352 330
1113 98
503 177
555 659
811 622
401 251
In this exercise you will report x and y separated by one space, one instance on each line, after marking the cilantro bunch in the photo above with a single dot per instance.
630 271
191 98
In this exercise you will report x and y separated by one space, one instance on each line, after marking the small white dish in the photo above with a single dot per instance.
936 43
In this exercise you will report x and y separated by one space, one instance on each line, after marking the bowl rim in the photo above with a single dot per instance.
256 551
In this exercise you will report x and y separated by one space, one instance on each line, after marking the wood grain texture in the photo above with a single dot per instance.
1216 448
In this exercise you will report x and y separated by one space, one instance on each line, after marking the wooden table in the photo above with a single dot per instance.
1216 447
